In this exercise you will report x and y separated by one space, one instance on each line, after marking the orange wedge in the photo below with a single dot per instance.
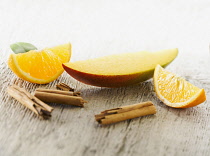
41 66
176 92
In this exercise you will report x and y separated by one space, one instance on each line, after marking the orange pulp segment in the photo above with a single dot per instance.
176 92
41 66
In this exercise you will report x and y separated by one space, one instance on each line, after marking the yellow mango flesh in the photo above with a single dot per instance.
121 69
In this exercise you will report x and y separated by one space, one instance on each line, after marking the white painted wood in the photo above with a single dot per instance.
97 28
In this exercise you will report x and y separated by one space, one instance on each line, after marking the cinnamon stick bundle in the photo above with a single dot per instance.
59 96
125 112
30 101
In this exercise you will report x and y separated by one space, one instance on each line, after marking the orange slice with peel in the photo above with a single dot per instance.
175 91
40 66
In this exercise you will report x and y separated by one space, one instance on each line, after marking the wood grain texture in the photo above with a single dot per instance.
95 29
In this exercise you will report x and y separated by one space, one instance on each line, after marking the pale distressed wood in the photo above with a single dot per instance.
97 28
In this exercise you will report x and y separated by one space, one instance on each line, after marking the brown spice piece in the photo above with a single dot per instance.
70 93
125 112
65 87
30 101
61 97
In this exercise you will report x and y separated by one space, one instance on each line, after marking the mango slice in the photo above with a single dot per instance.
121 69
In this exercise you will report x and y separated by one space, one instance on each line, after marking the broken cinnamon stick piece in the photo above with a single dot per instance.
65 87
125 112
70 93
61 97
30 101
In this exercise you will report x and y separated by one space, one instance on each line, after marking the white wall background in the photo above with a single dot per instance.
104 27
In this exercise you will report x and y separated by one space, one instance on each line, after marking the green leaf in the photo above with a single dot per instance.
22 47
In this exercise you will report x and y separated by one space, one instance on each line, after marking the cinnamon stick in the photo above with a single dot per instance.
70 93
65 87
61 97
125 112
30 101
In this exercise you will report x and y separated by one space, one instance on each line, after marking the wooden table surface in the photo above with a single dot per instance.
98 28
